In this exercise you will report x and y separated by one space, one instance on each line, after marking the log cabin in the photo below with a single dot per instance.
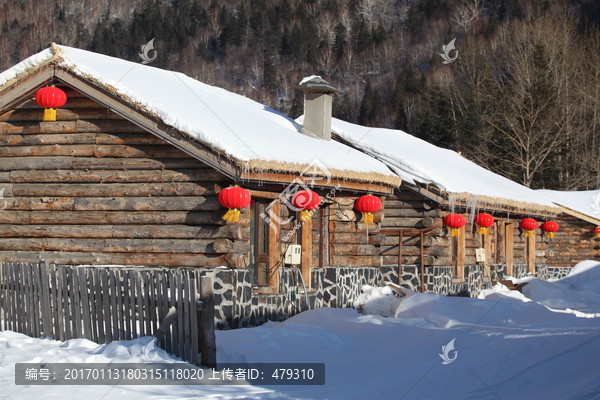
130 171
575 241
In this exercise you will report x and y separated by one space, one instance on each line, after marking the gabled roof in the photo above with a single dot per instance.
584 204
441 171
239 136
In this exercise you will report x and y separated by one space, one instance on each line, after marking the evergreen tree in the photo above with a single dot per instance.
370 106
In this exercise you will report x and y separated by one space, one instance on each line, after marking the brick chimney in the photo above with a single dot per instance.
317 107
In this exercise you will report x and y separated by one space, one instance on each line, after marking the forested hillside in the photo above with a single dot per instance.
522 97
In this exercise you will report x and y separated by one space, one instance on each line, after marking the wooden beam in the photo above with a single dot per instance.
306 242
509 234
24 89
274 247
460 254
285 177
531 252
579 215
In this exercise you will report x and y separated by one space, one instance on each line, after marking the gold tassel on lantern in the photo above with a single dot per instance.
305 215
233 215
368 218
453 232
49 114
528 233
550 235
483 230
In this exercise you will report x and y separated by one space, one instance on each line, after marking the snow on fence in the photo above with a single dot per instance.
104 304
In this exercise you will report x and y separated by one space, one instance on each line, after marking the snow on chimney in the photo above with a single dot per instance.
317 106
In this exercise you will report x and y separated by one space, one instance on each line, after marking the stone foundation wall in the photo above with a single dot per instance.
338 287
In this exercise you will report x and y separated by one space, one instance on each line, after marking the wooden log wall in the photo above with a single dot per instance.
92 188
574 242
352 245
409 210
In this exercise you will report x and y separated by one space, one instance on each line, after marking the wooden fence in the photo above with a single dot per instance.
103 304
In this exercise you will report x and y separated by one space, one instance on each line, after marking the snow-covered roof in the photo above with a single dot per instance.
584 203
419 162
251 135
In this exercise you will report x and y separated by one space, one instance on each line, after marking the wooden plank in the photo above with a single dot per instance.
187 333
20 299
79 138
90 272
306 255
12 293
114 189
531 240
61 318
114 176
509 232
100 315
172 246
366 261
104 288
26 300
4 301
180 313
153 314
194 322
139 310
114 311
45 302
126 304
274 247
155 259
166 305
106 163
74 303
72 102
115 217
229 231
206 316
93 150
62 114
147 319
86 321
329 183
460 255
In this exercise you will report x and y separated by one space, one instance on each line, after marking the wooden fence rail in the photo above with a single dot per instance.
104 304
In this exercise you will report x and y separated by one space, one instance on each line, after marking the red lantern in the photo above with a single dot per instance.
529 225
368 205
306 201
454 222
550 227
484 221
597 232
50 98
234 198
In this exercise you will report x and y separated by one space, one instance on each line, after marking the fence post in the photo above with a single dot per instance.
45 302
206 319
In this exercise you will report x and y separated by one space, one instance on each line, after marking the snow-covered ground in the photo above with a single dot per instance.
544 344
